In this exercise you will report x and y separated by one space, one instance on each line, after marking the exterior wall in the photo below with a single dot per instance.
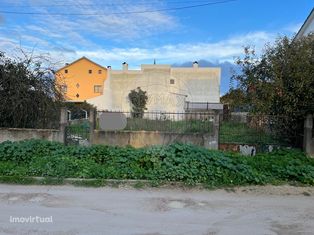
78 73
139 139
190 84
199 84
18 134
307 27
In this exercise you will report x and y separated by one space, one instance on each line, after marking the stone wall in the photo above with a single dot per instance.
147 138
17 134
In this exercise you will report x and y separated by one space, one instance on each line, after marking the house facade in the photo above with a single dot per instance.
81 80
307 27
169 89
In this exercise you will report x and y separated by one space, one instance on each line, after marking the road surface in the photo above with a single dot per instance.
125 211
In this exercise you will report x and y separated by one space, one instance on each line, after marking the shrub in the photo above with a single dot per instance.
176 162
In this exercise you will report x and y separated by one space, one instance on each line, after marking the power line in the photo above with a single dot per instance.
106 4
117 13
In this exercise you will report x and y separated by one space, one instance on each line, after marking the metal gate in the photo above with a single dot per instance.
78 130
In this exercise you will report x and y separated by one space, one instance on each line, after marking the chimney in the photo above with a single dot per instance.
125 66
195 64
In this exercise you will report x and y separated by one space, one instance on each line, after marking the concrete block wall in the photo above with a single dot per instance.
139 139
18 134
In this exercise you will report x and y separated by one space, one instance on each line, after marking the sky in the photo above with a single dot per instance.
138 31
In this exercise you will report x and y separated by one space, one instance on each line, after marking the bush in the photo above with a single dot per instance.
176 162
24 151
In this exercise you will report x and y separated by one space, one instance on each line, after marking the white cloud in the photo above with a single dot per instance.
102 22
63 35
224 50
68 38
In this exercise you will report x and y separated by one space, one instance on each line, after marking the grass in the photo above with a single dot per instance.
21 161
181 126
241 133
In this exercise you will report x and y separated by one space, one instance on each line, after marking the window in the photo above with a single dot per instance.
99 71
77 85
77 95
65 71
171 81
97 89
64 88
90 71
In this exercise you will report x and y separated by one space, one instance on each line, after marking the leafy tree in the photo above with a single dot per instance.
236 100
138 99
28 93
280 82
78 109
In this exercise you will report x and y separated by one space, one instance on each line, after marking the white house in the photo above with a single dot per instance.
169 89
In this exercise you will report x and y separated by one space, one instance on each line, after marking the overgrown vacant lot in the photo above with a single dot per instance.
176 162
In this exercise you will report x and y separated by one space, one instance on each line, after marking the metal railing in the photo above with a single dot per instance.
195 122
190 106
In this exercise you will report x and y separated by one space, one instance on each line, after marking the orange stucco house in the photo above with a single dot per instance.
81 80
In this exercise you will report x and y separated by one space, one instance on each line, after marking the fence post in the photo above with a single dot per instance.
212 140
308 141
216 127
92 124
63 124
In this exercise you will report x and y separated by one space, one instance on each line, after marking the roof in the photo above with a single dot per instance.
305 24
82 58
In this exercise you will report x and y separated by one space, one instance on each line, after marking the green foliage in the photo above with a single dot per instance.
29 95
179 126
138 99
24 151
242 133
176 162
17 180
236 100
280 82
78 109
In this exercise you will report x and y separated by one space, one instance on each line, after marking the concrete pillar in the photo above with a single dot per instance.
211 140
92 125
308 141
63 124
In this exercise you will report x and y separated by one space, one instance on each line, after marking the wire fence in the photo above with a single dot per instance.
244 128
42 119
196 122
235 128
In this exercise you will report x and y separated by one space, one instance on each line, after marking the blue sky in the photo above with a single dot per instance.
215 33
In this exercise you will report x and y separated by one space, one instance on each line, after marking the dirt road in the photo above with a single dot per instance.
119 211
